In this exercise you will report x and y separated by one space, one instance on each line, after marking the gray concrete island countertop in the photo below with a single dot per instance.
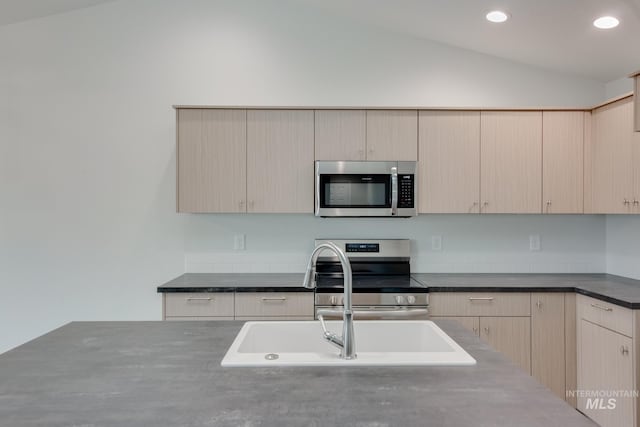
169 374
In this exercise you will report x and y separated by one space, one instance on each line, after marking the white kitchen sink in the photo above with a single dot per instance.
378 343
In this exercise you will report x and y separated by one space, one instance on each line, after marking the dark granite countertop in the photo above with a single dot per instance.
232 282
614 289
169 374
606 287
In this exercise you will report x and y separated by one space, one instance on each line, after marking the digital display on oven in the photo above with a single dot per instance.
362 247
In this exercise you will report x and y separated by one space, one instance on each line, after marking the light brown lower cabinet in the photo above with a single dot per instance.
548 341
607 362
534 330
238 306
511 336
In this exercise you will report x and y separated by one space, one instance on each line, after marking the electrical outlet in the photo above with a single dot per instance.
534 242
436 243
239 242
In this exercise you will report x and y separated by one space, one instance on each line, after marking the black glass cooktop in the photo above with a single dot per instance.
373 283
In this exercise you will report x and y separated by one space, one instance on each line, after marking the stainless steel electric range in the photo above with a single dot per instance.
382 283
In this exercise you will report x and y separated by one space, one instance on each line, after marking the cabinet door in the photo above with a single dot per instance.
611 158
562 162
280 161
470 323
449 156
511 336
548 341
340 134
511 161
636 100
636 171
605 366
392 135
211 160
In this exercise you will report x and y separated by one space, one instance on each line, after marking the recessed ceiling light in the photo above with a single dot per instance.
497 16
606 22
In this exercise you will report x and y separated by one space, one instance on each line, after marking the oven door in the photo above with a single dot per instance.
375 312
356 189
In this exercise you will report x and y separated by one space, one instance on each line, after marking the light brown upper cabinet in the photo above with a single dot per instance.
340 134
611 159
562 162
636 172
280 161
636 102
211 166
511 159
392 135
449 158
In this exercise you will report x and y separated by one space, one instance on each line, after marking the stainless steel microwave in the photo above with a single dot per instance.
358 189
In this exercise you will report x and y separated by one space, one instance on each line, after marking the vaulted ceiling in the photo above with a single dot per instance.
552 34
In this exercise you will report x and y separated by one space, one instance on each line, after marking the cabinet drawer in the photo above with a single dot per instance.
605 314
265 304
216 304
190 319
479 304
273 318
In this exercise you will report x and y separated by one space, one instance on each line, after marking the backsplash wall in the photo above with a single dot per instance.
470 243
623 245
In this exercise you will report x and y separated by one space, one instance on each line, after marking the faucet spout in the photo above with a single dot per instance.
346 343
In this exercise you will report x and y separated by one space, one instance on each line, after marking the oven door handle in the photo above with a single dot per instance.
377 312
394 191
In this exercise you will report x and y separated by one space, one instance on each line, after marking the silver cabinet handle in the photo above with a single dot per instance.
486 329
636 202
601 307
394 190
279 299
473 206
539 304
199 299
624 350
480 298
241 204
626 201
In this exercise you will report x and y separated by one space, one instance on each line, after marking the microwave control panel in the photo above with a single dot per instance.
406 190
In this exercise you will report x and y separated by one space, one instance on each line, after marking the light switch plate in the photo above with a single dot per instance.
534 242
239 242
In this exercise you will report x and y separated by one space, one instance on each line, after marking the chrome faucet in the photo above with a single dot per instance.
346 343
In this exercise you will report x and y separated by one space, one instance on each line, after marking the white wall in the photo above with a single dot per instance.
623 245
87 218
480 243
618 87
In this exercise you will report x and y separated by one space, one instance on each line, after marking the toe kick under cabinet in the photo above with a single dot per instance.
533 330
238 306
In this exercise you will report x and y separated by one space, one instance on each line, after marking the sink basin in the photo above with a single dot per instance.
378 343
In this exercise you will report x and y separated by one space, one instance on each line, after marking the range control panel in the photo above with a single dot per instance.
362 247
406 188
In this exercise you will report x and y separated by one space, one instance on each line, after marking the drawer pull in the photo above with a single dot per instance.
624 350
480 298
274 299
198 299
601 307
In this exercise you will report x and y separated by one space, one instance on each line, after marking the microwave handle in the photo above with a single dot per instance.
394 191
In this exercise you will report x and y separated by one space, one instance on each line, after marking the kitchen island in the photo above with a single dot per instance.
169 374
